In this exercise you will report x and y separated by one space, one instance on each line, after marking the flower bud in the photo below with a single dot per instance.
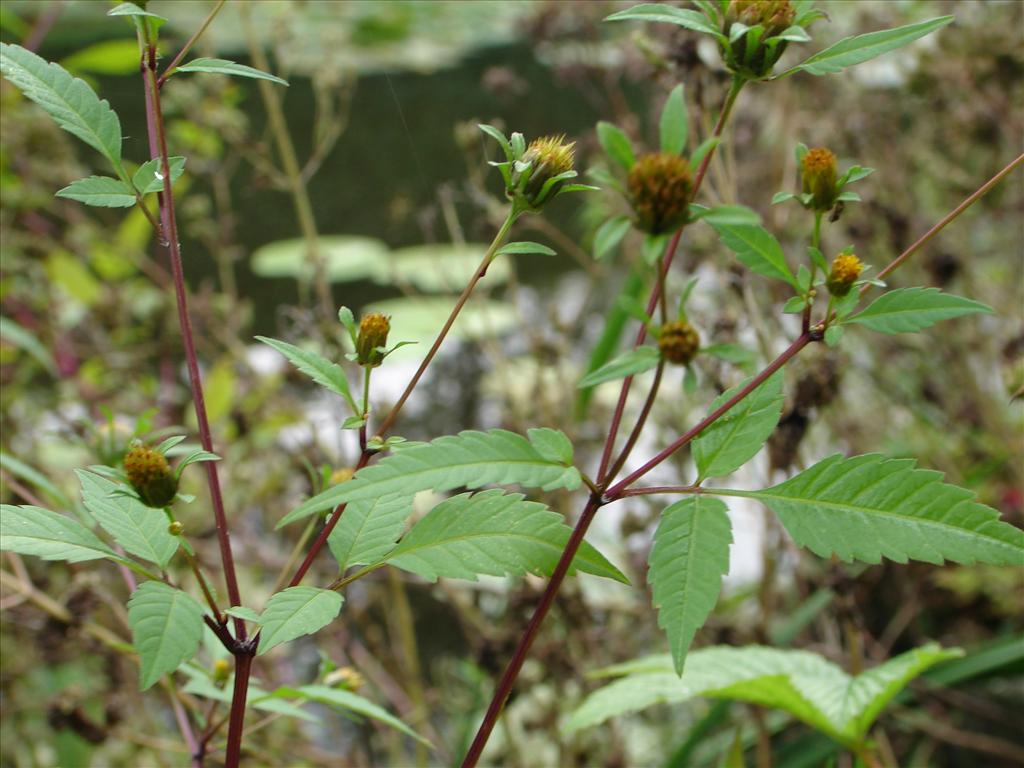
678 342
846 268
175 528
151 476
660 187
221 672
345 677
373 333
818 177
750 55
544 160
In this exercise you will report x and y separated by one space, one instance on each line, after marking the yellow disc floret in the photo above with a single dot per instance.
818 176
372 338
846 268
150 475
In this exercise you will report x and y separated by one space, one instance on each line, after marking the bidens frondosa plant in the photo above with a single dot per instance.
848 508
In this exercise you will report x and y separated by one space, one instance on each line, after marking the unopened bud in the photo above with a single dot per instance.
345 677
660 187
679 342
751 55
846 268
818 176
544 161
221 672
373 333
175 528
151 476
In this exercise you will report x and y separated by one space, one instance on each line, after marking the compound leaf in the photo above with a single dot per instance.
368 529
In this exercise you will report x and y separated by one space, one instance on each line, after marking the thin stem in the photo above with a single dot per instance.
344 581
659 489
802 341
526 641
477 275
920 242
815 243
730 100
243 667
158 148
188 46
210 601
634 435
181 718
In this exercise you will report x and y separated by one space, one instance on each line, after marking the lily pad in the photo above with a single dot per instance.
347 258
442 268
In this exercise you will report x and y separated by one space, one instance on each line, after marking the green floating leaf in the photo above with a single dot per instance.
346 258
316 366
225 67
351 702
869 507
24 339
799 682
441 268
68 100
687 561
860 48
369 529
492 533
740 433
526 247
295 612
166 625
758 249
470 459
628 363
906 310
148 179
674 126
615 144
100 191
141 530
666 13
35 531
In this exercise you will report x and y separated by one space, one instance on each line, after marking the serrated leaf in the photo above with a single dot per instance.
628 363
492 533
526 247
225 67
551 444
869 507
68 100
369 529
294 612
351 702
30 530
141 530
241 612
687 561
724 214
906 310
316 366
758 249
615 144
147 180
469 459
860 48
100 191
166 625
799 682
609 235
674 126
681 17
741 432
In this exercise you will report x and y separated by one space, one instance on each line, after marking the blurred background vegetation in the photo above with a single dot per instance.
388 190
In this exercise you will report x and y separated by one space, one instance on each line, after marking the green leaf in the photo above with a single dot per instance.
781 197
732 353
316 366
225 67
241 612
101 191
166 625
724 214
551 444
492 533
799 682
24 339
758 249
68 100
860 48
141 530
368 530
30 474
687 561
666 13
470 459
674 128
35 531
833 335
906 310
147 178
703 149
499 137
609 235
738 435
526 247
131 9
869 507
628 363
351 702
615 144
295 612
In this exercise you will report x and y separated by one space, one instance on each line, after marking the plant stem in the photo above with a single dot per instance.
158 148
657 489
477 275
194 565
634 435
526 641
188 46
243 666
815 243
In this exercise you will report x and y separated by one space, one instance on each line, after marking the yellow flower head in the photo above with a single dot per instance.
150 475
846 268
373 333
818 175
